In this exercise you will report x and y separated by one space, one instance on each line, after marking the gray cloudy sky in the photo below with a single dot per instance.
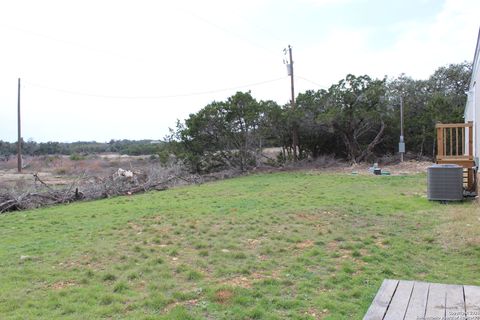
101 70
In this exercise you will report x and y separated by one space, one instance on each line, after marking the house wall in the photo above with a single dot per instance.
476 118
472 109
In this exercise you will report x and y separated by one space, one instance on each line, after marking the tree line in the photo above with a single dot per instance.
356 119
129 147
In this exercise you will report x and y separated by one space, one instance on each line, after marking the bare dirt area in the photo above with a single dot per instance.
60 170
401 168
330 164
11 178
389 164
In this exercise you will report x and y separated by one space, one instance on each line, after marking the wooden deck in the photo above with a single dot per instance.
405 300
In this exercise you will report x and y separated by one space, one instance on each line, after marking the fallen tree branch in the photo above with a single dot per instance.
91 188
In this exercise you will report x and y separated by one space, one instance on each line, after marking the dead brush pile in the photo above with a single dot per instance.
91 187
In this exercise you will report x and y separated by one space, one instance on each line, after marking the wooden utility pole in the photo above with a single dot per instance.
19 141
401 144
295 129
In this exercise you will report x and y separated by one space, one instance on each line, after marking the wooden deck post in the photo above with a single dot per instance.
440 152
470 138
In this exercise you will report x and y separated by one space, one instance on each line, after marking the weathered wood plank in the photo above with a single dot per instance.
398 305
444 135
472 301
424 301
379 306
440 149
455 303
418 301
451 142
457 150
436 301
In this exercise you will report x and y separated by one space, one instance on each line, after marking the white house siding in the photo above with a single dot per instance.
472 109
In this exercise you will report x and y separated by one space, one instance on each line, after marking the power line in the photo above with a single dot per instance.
229 31
66 42
312 82
180 95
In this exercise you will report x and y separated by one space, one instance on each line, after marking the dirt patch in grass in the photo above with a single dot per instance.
136 227
242 282
381 244
253 243
248 281
83 261
305 244
223 296
316 314
332 246
190 303
309 216
63 284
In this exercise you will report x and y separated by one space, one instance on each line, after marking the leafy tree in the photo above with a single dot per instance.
418 129
448 87
441 98
7 149
316 135
223 134
356 109
276 128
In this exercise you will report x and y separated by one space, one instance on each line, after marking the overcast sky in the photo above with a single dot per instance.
101 70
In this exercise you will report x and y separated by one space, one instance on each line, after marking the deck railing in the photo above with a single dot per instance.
455 146
454 141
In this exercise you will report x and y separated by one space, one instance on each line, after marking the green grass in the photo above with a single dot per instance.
302 245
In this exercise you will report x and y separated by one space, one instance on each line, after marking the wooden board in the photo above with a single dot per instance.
398 305
380 303
472 301
403 300
436 301
418 301
455 303
454 125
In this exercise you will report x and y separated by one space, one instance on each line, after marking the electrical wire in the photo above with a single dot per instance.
229 31
67 42
180 95
312 82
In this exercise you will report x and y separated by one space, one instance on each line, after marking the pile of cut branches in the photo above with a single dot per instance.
91 188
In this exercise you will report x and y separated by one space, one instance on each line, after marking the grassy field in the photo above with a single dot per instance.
298 245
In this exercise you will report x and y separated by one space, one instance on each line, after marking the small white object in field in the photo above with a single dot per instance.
124 173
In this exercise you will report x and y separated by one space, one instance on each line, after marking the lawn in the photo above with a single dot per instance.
297 245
